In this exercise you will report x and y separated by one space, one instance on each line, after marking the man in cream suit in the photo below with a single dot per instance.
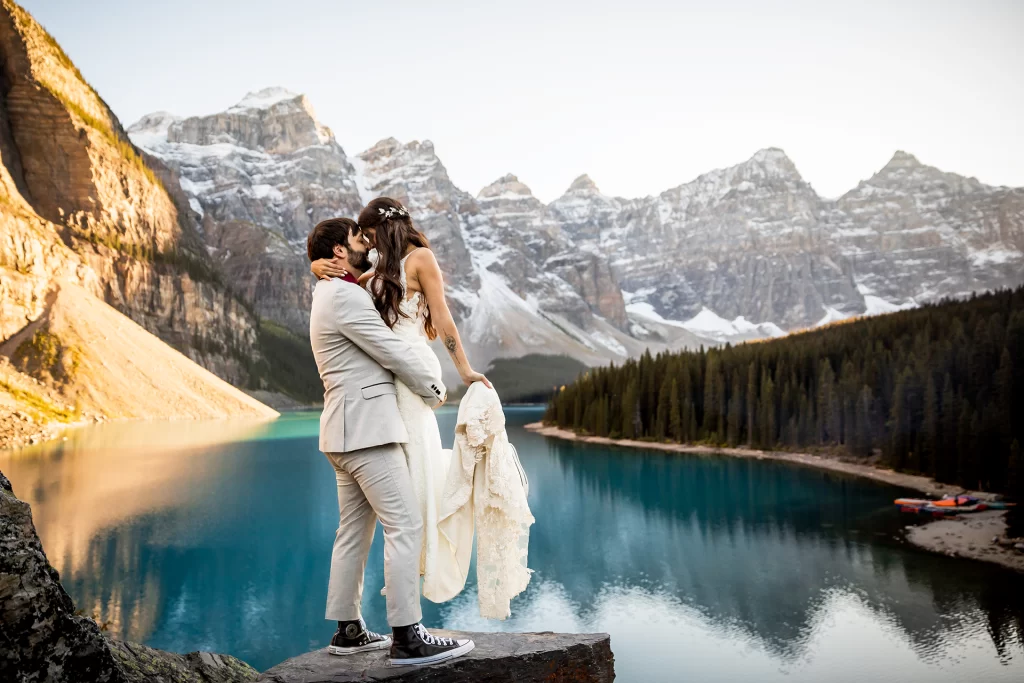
358 357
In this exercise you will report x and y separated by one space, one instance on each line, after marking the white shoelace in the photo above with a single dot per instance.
433 640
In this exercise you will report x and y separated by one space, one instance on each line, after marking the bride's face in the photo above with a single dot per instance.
370 235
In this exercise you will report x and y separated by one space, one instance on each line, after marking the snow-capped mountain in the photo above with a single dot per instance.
260 176
590 275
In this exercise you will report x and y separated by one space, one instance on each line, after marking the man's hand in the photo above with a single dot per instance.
325 269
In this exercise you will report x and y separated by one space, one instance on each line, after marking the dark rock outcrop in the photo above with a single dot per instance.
43 639
497 658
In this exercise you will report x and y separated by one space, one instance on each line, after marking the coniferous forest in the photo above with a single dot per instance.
937 390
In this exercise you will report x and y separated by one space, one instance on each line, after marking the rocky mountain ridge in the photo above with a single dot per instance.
738 253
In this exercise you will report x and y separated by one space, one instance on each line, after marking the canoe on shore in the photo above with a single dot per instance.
944 507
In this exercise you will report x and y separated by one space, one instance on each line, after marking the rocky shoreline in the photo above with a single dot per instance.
19 429
980 536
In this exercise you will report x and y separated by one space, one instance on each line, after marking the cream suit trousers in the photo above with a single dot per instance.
374 483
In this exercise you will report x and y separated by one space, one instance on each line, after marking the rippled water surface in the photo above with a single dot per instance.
217 536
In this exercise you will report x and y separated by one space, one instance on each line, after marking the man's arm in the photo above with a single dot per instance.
359 321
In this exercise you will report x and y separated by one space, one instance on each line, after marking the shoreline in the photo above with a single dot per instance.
967 536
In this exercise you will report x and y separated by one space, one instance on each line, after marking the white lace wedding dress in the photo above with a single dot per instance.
428 462
486 488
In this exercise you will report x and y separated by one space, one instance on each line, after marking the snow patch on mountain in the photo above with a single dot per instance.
997 254
832 315
876 305
264 99
709 325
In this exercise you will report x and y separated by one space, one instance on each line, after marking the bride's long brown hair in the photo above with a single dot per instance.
394 233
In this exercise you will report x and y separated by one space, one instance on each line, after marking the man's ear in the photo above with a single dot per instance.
339 251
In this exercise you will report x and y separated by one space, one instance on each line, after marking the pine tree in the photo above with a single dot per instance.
1002 430
751 403
1015 473
826 403
661 421
675 413
735 414
966 470
945 468
692 424
766 411
601 417
630 411
865 438
899 425
712 399
928 442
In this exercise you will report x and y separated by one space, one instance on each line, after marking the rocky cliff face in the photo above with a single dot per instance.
738 253
513 282
914 232
743 241
756 241
79 201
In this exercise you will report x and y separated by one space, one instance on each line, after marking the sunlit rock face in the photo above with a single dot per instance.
79 201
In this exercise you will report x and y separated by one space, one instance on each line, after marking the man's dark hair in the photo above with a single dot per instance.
326 234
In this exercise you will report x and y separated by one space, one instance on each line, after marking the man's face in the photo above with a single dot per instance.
358 249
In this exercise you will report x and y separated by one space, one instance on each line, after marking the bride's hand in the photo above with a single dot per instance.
473 376
327 268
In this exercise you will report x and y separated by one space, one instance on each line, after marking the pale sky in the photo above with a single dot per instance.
641 95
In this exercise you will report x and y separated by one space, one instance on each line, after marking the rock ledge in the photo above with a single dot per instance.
497 658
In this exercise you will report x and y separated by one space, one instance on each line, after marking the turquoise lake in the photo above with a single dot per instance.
217 536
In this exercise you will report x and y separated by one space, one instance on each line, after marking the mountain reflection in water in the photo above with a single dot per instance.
217 536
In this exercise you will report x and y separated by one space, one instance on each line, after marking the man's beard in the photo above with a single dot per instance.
359 260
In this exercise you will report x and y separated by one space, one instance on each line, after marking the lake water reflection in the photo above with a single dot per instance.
217 536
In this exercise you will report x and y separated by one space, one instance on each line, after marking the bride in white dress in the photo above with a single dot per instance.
408 290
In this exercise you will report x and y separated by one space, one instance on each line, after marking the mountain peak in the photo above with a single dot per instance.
903 159
774 161
264 99
584 184
157 121
506 185
151 129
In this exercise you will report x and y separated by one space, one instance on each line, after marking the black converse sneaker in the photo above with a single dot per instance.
413 646
352 637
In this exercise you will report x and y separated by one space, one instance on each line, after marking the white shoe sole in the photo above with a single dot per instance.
369 647
435 659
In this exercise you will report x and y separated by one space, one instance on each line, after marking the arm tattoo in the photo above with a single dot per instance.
451 345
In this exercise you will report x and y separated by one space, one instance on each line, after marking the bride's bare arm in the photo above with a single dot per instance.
325 268
424 271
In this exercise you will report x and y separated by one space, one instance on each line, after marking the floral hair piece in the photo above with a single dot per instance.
392 211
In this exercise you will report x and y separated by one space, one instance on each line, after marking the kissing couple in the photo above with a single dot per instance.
370 328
